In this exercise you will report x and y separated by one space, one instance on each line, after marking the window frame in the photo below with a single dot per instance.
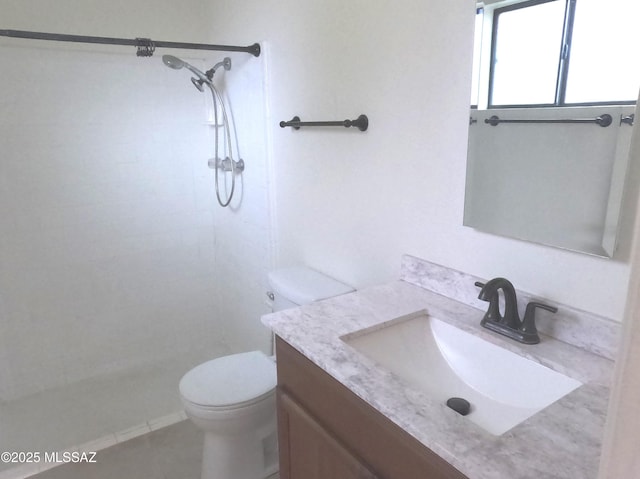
474 106
564 59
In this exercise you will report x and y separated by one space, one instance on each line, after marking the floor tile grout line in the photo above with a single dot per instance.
24 471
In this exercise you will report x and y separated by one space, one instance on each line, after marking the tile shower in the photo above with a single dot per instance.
109 269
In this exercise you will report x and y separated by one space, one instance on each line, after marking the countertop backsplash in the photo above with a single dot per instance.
594 333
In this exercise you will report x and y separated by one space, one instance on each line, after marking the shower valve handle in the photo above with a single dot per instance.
228 164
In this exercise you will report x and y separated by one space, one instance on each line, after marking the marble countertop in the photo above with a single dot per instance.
561 441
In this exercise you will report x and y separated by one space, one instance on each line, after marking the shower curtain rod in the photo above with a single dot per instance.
145 46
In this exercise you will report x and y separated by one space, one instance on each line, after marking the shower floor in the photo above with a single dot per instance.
90 415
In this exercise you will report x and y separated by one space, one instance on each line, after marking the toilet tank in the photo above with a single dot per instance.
300 285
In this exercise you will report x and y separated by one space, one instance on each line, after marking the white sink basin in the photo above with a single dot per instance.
443 361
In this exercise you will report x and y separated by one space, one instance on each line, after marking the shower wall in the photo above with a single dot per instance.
243 234
114 254
107 238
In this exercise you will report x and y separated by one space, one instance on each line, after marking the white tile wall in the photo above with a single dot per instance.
107 245
243 243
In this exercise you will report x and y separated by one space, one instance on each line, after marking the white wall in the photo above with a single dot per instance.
243 233
350 203
107 253
183 21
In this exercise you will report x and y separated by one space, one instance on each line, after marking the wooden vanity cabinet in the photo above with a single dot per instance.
326 432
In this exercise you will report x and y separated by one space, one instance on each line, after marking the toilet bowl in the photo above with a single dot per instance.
232 398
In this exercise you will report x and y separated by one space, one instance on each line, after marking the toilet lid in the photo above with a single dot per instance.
302 285
229 380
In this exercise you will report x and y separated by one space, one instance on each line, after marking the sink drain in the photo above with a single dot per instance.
459 405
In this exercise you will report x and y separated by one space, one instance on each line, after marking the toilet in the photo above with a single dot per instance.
232 398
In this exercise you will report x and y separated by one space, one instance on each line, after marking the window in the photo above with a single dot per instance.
604 64
524 55
557 53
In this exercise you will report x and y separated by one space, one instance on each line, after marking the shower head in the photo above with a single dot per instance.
176 63
172 62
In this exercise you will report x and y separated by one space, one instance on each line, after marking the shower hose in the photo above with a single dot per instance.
217 100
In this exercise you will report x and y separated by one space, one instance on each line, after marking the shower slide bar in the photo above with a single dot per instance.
603 120
362 123
145 46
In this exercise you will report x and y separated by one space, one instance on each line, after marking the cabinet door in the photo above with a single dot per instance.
308 451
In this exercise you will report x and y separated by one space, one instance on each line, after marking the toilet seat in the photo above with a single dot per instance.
230 382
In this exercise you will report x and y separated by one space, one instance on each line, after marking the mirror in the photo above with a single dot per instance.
550 123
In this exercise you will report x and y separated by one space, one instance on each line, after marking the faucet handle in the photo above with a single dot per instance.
529 330
533 304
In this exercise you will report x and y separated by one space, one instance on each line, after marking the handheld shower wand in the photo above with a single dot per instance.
177 64
200 79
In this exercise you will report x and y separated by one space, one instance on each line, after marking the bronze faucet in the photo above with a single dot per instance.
509 324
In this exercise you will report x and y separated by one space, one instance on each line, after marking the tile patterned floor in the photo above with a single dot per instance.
91 410
173 452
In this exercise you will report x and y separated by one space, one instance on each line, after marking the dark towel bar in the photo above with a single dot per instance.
603 120
362 123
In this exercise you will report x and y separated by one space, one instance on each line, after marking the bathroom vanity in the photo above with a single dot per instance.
326 431
342 413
